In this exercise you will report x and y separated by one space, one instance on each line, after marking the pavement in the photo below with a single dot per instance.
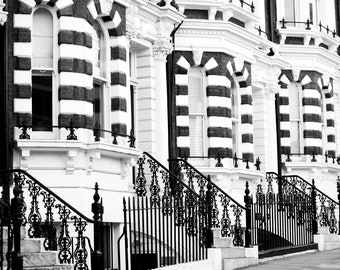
315 260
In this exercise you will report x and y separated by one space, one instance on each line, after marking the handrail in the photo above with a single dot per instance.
260 31
212 183
287 182
251 6
309 185
327 29
172 175
50 192
308 23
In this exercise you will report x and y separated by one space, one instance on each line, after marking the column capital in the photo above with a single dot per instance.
161 48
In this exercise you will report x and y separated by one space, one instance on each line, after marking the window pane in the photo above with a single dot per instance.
290 10
196 112
42 39
42 103
98 106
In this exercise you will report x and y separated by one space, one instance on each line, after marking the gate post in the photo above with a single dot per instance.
338 188
248 203
208 201
314 214
97 210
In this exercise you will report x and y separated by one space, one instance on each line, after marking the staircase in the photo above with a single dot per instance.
229 256
45 231
34 256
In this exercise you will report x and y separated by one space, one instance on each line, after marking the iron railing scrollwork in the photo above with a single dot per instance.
325 207
282 215
47 216
225 212
166 223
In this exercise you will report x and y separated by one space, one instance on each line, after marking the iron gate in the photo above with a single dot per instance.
281 219
167 223
164 233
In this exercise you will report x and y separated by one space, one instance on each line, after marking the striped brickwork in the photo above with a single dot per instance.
183 63
74 74
240 71
327 88
22 62
284 113
312 111
75 68
218 102
218 105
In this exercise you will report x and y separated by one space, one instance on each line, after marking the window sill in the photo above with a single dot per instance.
51 154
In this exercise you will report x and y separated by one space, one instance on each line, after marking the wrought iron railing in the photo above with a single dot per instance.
72 136
31 201
328 158
167 222
283 22
226 212
260 32
283 215
328 31
326 207
250 5
219 158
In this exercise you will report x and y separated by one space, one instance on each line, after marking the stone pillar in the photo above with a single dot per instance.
161 48
271 147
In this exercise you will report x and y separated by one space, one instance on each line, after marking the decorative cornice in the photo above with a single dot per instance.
133 24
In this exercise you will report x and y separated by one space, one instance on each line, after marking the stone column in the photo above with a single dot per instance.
161 48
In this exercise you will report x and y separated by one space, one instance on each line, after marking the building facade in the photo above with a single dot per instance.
252 85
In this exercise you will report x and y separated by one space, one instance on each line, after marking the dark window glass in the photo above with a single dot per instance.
42 103
98 106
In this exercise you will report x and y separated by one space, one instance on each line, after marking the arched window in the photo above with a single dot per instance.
196 111
42 68
99 73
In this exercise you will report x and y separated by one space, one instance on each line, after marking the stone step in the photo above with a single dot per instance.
55 267
27 246
232 252
40 259
331 245
236 263
332 238
223 242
